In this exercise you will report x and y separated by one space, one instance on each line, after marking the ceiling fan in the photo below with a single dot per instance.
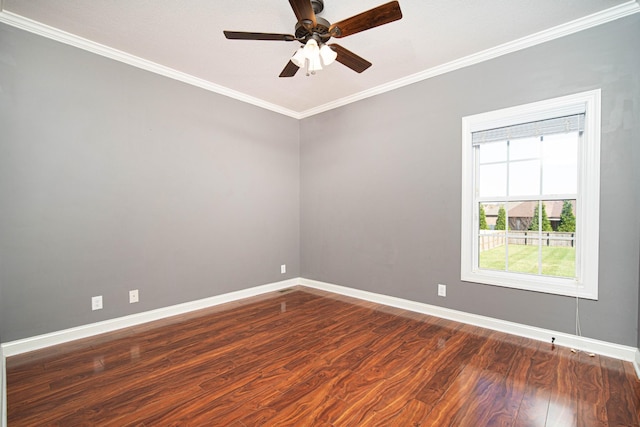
314 32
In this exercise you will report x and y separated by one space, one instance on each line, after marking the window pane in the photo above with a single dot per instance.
560 164
493 180
523 259
521 215
482 215
549 210
567 221
524 148
491 241
524 178
493 152
559 261
559 256
522 248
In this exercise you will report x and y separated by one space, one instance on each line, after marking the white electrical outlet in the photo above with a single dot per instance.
133 296
442 290
96 303
283 268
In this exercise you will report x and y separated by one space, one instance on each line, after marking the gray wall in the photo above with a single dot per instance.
113 178
381 196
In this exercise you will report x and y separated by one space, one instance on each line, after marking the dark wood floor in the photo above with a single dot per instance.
310 358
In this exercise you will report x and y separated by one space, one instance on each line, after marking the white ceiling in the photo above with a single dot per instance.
183 39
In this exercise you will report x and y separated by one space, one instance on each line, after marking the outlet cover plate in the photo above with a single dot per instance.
133 296
96 303
442 290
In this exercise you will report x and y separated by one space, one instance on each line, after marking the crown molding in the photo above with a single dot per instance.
593 20
52 33
599 18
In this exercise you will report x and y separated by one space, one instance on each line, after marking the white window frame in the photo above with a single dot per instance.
585 285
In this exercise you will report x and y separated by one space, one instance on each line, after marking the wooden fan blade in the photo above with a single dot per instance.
375 17
289 70
243 35
350 59
304 12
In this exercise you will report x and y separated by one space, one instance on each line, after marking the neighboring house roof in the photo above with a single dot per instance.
526 209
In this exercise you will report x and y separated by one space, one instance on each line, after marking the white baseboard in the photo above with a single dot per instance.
13 348
589 345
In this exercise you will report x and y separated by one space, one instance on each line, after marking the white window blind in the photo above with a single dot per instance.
532 129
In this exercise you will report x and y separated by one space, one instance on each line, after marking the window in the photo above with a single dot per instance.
530 196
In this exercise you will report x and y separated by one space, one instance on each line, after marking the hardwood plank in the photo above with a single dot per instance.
621 400
412 414
591 400
308 408
634 385
464 393
509 386
563 411
539 381
398 390
447 365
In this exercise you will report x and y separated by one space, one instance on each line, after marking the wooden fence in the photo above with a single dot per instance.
489 239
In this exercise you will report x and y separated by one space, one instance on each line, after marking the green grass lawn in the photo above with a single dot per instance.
556 261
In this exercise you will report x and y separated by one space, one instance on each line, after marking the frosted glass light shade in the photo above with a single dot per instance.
311 49
299 58
328 55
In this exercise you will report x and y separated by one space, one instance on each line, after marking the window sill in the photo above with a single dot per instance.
549 285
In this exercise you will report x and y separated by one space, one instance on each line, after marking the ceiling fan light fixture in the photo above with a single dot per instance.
299 58
328 55
309 55
311 49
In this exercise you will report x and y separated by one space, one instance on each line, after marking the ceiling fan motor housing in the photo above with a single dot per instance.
320 32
